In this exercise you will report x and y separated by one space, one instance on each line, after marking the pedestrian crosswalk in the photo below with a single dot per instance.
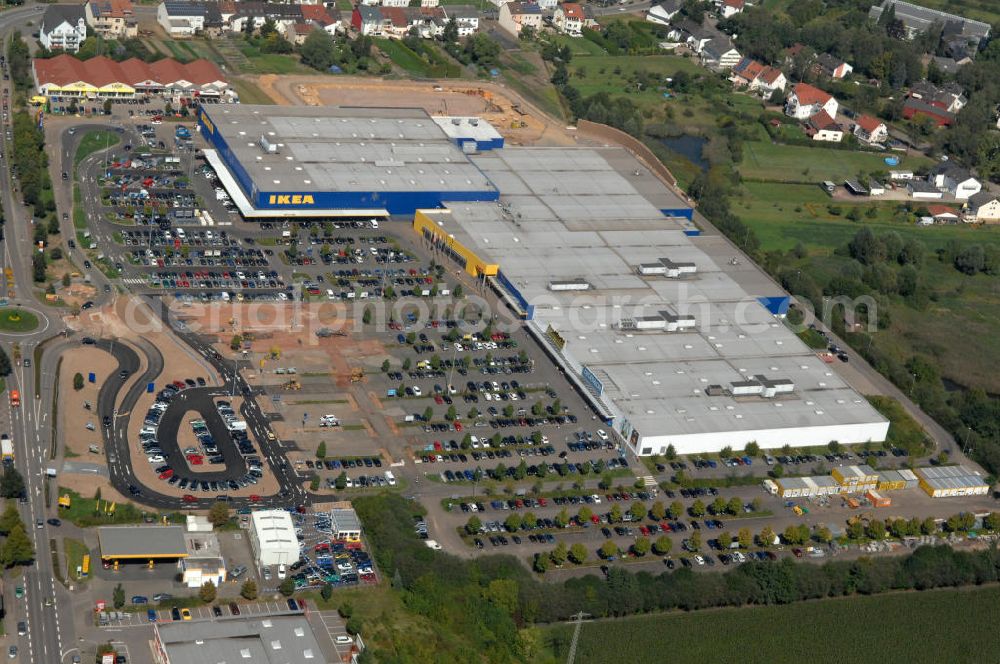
134 281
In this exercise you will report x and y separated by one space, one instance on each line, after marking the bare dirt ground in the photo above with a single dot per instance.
87 486
73 417
494 103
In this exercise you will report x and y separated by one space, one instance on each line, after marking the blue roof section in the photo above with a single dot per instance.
777 305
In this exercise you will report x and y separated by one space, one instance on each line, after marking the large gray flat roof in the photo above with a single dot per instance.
345 149
569 214
269 640
142 541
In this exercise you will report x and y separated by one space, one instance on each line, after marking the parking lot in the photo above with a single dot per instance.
139 617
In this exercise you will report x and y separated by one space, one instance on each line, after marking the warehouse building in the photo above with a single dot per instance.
659 328
951 481
803 487
148 544
856 479
272 538
204 560
261 640
892 480
309 162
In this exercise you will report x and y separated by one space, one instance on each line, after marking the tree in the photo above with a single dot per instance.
562 518
78 381
855 530
671 453
662 545
638 511
450 34
513 522
792 535
236 342
11 483
928 526
734 506
4 363
451 414
726 452
326 592
341 482
719 506
321 450
694 542
641 546
207 592
287 587
875 529
385 366
319 50
992 521
578 553
823 535
615 515
745 538
752 449
766 537
473 525
249 590
428 414
17 549
675 510
218 514
583 516
541 563
698 508
559 554
118 596
529 520
10 519
366 315
608 550
658 511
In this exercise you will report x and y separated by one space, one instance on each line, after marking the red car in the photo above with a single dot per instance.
458 426
195 459
167 474
438 400
255 499
188 498
178 384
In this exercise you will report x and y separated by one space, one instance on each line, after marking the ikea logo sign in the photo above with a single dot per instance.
208 123
290 199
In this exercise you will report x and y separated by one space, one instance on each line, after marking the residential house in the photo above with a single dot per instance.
515 16
430 3
949 97
664 12
822 127
758 77
870 130
942 214
949 176
547 5
395 3
429 22
983 208
320 16
466 18
805 101
695 36
568 19
182 18
730 8
257 13
63 28
875 188
719 53
918 108
368 20
112 19
296 34
831 66
917 19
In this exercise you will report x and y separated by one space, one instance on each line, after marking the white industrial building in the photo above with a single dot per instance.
272 538
661 328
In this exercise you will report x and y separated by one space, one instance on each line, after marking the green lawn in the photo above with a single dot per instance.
249 92
273 63
75 550
794 163
611 73
17 320
84 512
981 10
930 627
92 141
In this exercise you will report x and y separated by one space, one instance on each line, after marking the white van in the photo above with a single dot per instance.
390 478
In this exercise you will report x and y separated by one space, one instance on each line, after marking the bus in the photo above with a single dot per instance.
15 398
85 567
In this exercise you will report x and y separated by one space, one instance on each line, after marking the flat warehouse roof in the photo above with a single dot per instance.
320 149
580 214
142 542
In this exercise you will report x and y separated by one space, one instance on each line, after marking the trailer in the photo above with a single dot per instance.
6 449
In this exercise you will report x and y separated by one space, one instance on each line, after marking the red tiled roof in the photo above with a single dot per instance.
112 8
395 15
735 4
751 70
822 120
573 10
868 123
770 75
316 13
809 95
937 210
100 71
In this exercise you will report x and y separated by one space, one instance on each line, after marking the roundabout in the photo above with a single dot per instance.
18 320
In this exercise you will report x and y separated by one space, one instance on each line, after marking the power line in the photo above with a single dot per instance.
576 636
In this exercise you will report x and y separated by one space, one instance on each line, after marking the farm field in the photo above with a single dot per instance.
919 628
796 163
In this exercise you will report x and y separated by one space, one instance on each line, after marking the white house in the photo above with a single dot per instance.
871 130
731 8
515 16
719 53
949 176
758 77
63 28
466 18
664 12
835 68
568 18
183 19
822 127
695 36
547 5
272 538
983 208
923 190
805 101
112 19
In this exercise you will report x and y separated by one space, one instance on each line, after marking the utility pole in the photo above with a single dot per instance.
576 636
